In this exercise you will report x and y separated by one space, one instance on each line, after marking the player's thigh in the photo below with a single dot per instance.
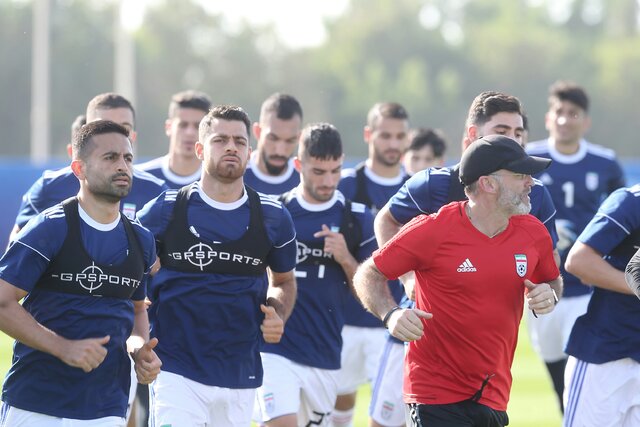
600 395
15 417
280 391
319 393
387 407
177 401
353 372
232 407
375 340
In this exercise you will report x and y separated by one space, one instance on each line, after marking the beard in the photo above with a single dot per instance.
107 190
389 157
271 168
514 203
226 172
325 196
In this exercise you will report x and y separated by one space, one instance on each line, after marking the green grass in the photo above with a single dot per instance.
532 403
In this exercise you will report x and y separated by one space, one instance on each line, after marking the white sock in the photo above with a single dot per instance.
342 418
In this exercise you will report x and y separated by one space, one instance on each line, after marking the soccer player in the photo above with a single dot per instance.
271 169
333 235
226 282
426 150
425 193
180 166
482 255
55 186
603 370
371 183
580 178
81 268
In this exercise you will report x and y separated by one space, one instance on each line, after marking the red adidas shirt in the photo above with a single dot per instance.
474 287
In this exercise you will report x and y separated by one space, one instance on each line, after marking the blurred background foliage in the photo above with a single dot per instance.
433 56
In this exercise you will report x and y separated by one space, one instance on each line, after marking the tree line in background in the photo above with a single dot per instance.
433 56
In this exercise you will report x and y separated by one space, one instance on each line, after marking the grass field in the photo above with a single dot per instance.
532 402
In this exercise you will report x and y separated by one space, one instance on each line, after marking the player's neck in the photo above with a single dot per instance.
382 170
99 209
567 147
486 219
223 192
183 166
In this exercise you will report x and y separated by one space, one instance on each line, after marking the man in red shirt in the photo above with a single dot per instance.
473 262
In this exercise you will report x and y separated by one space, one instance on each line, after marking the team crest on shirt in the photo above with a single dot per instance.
129 210
591 181
521 264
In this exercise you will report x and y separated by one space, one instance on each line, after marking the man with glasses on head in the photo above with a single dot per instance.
483 255
580 178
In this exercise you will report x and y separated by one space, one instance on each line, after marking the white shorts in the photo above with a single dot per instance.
14 417
387 407
180 402
291 388
605 395
132 388
549 333
361 349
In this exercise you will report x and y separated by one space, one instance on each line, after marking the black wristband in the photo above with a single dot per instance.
385 319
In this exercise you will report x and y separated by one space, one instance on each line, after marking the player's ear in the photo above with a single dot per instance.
77 167
297 164
199 149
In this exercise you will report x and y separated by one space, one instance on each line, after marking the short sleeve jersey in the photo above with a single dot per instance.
269 184
208 324
610 329
312 335
428 190
578 184
474 286
376 192
38 381
159 168
54 186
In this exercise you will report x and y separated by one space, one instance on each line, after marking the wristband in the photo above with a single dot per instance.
385 319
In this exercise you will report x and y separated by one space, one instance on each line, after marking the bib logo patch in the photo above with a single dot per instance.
521 264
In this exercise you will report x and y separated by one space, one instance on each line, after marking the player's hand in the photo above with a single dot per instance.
272 326
540 297
406 324
334 243
147 364
86 354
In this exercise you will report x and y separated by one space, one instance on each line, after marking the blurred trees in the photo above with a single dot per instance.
433 56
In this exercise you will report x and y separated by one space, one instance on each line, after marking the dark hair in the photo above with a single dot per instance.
569 91
189 99
426 136
83 137
488 104
320 141
224 112
285 106
387 110
78 122
109 101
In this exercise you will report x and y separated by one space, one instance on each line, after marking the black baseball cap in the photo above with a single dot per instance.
494 152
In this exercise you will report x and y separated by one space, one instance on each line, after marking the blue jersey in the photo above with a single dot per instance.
38 381
428 190
578 183
208 324
269 184
610 329
159 168
54 186
312 335
361 185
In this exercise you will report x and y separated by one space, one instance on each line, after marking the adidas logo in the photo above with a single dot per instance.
466 267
